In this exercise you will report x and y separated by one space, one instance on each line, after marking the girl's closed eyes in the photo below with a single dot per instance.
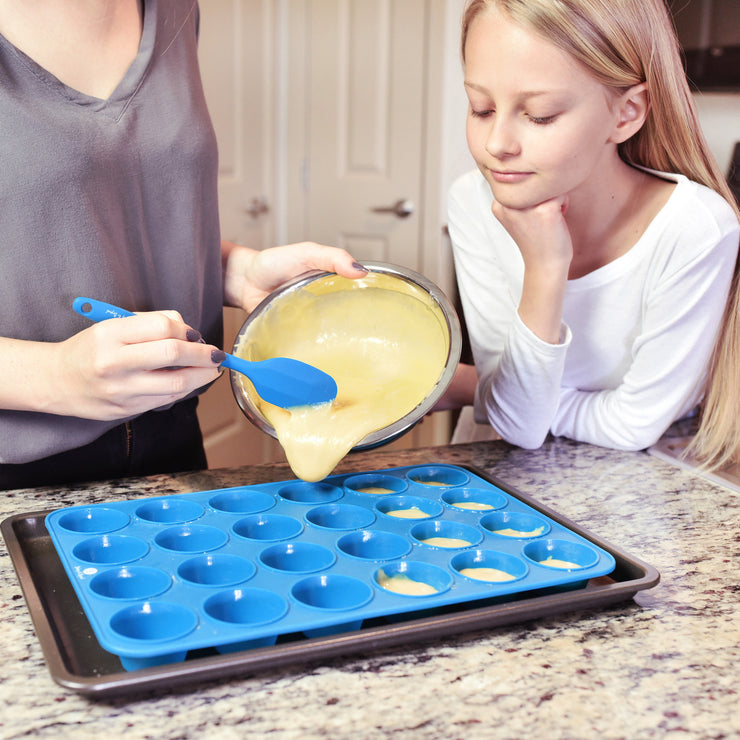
539 120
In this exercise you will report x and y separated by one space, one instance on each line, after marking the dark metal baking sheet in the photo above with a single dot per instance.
77 662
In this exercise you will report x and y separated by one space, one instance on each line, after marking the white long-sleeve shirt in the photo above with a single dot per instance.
637 333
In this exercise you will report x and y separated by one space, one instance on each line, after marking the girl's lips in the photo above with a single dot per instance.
509 177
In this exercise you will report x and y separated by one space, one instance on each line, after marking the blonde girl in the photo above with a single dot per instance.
596 243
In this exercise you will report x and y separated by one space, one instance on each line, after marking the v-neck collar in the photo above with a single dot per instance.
115 104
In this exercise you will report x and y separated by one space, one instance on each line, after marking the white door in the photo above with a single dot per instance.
357 97
363 98
237 66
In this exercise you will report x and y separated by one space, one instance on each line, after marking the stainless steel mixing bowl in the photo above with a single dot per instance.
401 425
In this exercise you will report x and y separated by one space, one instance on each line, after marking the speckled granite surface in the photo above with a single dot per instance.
663 666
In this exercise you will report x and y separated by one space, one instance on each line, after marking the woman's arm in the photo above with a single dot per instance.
123 367
111 370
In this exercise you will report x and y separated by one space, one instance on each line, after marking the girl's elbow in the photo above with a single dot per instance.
527 439
635 442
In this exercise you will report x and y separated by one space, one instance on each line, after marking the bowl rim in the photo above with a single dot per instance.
405 423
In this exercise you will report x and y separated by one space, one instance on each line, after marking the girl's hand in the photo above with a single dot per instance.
250 275
123 367
544 240
540 232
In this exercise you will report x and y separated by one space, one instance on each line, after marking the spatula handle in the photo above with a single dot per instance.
98 310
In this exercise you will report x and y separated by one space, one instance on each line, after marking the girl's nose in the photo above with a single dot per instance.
501 140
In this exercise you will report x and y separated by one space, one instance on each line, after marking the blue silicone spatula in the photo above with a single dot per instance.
280 381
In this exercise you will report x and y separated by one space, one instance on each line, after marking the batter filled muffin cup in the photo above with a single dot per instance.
375 484
561 554
515 524
438 475
409 507
446 534
413 578
474 499
489 565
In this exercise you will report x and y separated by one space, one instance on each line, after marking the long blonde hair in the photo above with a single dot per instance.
624 43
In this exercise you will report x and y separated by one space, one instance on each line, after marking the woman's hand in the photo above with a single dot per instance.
544 240
250 275
111 370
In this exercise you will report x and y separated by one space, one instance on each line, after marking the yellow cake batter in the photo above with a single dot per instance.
555 563
487 574
414 512
508 532
402 584
383 340
375 490
472 505
446 542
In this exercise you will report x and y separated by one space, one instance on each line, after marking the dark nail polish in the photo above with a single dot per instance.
218 356
358 266
193 335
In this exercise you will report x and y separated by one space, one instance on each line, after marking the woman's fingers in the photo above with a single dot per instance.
122 367
250 276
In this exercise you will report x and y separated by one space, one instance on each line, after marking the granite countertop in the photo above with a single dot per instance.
662 666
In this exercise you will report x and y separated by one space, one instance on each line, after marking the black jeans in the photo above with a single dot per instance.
156 442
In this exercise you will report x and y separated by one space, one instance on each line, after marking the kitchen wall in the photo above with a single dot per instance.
720 118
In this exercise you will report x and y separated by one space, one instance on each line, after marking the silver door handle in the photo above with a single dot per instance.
401 208
256 207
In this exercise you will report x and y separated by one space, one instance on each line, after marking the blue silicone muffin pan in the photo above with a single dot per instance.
237 568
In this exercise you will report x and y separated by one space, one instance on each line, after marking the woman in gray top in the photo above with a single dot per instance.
108 189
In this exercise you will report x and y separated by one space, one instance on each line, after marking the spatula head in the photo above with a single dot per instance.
285 382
